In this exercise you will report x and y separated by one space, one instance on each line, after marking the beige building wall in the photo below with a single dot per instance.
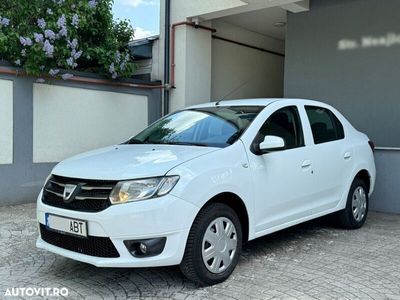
242 72
6 121
69 120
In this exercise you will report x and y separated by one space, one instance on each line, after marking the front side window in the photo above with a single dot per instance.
217 126
284 123
325 126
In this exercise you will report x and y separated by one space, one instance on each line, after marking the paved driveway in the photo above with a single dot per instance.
309 261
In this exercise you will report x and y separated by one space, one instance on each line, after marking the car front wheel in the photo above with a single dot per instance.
213 246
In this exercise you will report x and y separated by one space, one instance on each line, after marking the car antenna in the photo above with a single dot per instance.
232 91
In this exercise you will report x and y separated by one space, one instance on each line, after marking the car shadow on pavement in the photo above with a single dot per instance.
148 281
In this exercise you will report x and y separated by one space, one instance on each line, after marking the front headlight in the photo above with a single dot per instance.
141 189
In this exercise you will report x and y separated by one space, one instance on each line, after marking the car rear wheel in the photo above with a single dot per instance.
213 246
356 211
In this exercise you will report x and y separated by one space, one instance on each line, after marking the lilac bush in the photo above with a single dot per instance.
65 35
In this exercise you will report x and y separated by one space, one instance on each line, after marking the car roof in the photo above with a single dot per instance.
256 102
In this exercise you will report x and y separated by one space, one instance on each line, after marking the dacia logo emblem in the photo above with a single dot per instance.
69 190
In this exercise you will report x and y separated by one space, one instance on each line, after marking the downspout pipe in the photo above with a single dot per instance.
167 25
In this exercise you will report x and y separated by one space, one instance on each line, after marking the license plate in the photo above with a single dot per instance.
66 225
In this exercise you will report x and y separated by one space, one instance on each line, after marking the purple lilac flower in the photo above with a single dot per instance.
75 54
111 69
38 37
4 21
67 76
54 72
48 33
18 62
25 41
73 44
41 23
92 3
75 20
122 66
70 61
49 11
63 32
61 22
40 80
48 49
114 75
23 52
117 56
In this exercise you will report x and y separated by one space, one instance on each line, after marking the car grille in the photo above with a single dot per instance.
93 195
92 245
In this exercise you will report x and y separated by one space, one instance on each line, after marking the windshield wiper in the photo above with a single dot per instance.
136 141
185 143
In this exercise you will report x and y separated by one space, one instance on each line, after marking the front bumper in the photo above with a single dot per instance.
167 216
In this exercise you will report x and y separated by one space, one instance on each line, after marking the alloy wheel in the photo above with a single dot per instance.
359 203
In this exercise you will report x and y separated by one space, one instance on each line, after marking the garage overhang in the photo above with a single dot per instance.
294 6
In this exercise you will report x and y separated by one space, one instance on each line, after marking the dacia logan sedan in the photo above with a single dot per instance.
197 184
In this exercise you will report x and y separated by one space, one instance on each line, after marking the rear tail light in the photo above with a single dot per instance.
372 145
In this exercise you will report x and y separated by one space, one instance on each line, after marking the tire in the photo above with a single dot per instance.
347 218
204 228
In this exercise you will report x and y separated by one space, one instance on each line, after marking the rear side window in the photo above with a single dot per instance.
325 126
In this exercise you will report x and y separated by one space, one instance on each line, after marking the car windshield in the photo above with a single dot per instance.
217 126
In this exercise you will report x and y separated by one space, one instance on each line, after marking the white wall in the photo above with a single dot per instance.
6 121
192 67
182 9
211 9
157 61
255 73
68 120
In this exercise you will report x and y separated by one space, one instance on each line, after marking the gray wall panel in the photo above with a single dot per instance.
363 83
386 197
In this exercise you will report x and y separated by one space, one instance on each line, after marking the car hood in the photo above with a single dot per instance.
124 162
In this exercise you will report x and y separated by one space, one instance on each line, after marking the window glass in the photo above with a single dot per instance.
325 126
286 124
216 126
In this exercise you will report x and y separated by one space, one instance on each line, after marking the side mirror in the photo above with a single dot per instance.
272 143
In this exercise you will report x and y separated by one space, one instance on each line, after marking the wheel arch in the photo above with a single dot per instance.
364 176
237 204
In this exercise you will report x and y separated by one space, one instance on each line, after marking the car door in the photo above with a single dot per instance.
283 181
332 157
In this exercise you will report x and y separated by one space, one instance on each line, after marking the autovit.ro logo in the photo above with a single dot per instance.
36 292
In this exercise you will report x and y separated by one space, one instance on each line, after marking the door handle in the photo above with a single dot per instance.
347 155
306 164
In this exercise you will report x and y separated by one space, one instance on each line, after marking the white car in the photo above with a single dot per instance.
197 184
